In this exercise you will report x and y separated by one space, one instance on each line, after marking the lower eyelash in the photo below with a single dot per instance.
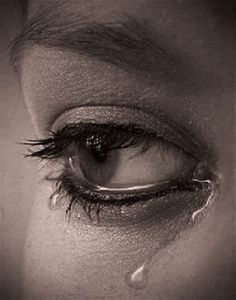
93 202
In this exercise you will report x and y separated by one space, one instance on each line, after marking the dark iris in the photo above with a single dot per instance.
98 155
95 146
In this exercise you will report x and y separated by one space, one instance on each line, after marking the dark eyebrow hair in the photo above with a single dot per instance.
128 44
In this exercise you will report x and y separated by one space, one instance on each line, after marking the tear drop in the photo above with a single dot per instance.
138 278
208 186
55 202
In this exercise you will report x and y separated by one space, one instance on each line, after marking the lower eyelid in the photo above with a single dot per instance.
169 209
131 196
110 211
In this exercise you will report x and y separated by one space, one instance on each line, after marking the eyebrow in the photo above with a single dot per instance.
128 44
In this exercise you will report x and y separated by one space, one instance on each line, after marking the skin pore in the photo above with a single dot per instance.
188 80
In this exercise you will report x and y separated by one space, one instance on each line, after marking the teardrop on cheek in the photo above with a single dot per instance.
138 277
209 182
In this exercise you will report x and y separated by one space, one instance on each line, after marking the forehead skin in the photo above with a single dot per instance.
204 45
69 262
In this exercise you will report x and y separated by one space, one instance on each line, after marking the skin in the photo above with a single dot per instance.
81 261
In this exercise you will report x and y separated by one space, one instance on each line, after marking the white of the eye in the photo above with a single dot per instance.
98 188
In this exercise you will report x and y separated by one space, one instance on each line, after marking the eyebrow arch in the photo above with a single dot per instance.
128 44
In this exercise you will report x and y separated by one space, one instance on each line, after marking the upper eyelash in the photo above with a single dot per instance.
113 137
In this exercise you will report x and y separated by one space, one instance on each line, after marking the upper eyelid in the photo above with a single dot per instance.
123 115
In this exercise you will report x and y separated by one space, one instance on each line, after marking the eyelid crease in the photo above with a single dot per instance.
124 115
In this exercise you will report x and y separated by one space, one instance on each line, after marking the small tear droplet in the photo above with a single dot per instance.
138 278
55 202
208 185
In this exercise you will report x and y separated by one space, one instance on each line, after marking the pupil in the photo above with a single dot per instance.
99 156
95 147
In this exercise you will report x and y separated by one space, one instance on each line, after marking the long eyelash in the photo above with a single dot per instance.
110 136
51 147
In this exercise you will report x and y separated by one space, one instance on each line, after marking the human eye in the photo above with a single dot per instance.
123 171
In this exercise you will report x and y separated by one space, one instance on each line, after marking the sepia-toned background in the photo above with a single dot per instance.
16 174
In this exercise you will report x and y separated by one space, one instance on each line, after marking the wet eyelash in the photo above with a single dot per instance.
93 202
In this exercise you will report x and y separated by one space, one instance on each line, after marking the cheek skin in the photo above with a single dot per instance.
63 261
199 265
57 270
63 264
60 262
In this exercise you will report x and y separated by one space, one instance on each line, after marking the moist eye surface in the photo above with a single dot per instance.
105 167
125 158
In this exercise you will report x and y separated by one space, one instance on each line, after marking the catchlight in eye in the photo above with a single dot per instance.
129 168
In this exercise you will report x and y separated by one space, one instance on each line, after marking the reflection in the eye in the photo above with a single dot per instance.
146 165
